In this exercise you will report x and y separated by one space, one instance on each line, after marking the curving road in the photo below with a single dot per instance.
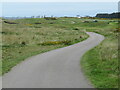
59 68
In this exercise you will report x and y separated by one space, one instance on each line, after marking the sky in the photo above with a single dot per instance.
59 0
58 9
13 10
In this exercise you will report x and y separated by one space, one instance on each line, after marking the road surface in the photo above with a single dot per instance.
58 68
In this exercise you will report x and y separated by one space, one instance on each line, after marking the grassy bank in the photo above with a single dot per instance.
101 63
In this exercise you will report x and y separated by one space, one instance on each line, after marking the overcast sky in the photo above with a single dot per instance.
60 0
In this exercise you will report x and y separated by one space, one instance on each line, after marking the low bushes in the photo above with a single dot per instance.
8 22
66 42
50 18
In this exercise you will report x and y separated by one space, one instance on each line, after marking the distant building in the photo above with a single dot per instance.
106 15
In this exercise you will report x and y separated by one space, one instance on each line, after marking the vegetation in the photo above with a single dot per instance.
101 63
29 37
23 38
106 15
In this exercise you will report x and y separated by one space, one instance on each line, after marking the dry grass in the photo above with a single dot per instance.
26 39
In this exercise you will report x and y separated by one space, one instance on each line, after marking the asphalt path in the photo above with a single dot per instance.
58 68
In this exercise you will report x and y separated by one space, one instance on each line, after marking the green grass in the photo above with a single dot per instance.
101 63
25 39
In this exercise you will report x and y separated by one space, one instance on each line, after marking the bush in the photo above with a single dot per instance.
117 30
75 29
50 18
38 23
23 43
66 42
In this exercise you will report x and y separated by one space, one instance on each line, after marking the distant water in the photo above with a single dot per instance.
58 9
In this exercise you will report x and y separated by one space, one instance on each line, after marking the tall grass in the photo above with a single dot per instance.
101 63
26 38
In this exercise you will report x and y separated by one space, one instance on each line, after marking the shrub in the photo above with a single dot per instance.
51 23
5 33
80 36
50 18
23 43
8 22
117 30
66 42
38 23
75 29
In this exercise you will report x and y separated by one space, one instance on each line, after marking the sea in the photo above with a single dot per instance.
57 9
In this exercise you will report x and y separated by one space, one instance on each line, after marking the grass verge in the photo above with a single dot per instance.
101 63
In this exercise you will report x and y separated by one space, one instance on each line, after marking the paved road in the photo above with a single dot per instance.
59 68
